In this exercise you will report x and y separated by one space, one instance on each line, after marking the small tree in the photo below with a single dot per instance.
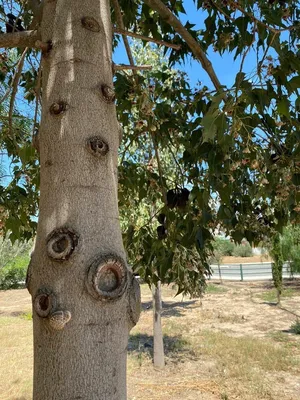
290 242
277 264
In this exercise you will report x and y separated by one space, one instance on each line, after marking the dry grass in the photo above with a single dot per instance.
230 345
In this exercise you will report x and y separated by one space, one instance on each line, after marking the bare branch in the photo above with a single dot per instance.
15 89
120 23
146 38
171 19
29 39
121 67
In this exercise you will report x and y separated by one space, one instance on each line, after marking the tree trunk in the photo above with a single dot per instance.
158 343
277 265
85 300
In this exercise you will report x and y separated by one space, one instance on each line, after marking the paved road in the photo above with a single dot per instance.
249 272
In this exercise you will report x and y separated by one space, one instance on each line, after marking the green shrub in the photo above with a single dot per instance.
13 275
295 328
222 247
242 250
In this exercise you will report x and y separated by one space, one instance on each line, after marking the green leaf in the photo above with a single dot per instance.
283 107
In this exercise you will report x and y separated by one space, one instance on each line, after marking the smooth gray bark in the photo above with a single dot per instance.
158 343
84 299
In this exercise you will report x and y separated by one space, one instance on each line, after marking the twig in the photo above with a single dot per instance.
37 95
146 38
121 67
15 90
171 19
120 22
236 5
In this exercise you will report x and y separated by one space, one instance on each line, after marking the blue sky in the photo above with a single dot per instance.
225 67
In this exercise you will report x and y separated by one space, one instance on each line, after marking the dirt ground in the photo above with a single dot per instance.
245 260
231 344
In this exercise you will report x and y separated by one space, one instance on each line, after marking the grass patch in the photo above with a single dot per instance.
27 316
241 354
271 295
212 288
295 327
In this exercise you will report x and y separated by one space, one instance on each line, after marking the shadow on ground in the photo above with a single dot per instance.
171 309
176 348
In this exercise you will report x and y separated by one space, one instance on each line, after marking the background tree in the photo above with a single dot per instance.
277 265
239 153
144 205
290 243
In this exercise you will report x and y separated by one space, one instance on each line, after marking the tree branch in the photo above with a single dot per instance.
171 19
146 38
15 90
120 22
29 39
121 67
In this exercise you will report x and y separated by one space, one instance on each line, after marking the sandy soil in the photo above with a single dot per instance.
244 260
212 346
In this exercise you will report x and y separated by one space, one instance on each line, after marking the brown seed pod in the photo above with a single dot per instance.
44 303
90 24
97 146
108 94
61 244
59 319
107 277
58 108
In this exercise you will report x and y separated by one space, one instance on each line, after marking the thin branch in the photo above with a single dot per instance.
146 38
29 39
160 172
236 5
15 90
35 138
120 22
195 47
121 67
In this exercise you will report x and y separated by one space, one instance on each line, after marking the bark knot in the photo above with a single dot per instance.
59 319
97 146
108 93
134 302
91 24
44 303
61 244
107 277
58 108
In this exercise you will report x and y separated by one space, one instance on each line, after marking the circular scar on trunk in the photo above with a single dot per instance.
58 108
61 244
107 278
44 303
59 319
108 94
97 146
90 24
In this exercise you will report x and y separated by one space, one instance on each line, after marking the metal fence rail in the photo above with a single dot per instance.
248 271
